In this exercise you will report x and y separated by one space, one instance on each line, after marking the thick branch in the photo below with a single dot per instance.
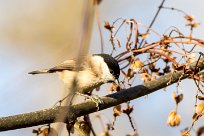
49 115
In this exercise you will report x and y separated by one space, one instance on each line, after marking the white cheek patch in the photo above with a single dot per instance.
106 75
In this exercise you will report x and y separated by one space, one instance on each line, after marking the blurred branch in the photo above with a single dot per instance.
96 4
49 115
84 42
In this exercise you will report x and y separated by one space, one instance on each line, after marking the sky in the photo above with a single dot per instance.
40 34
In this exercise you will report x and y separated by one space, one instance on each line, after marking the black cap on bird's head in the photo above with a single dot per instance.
112 64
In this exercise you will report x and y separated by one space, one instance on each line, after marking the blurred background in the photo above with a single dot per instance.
42 33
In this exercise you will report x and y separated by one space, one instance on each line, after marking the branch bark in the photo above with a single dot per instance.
49 115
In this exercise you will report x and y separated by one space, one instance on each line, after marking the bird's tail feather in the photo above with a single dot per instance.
44 71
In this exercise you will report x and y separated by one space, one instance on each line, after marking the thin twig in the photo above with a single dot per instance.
151 24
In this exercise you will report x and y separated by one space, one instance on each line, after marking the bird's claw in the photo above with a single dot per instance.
97 100
94 98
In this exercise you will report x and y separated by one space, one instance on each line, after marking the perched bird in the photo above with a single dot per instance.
93 71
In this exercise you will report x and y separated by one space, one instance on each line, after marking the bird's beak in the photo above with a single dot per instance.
117 82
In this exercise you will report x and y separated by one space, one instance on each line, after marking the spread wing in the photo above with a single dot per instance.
67 65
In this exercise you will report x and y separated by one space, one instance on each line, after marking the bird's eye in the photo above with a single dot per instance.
111 71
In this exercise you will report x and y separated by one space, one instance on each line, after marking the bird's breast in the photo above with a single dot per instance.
86 81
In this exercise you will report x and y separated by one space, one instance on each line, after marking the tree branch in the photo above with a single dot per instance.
49 115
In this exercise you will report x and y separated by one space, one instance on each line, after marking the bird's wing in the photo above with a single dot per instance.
66 65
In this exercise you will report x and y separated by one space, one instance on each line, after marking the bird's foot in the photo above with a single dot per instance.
94 98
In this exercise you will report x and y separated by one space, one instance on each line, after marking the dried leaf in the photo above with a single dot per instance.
154 56
189 18
128 110
117 110
37 131
108 26
200 131
130 73
185 133
165 60
144 35
200 109
173 119
115 87
177 97
201 97
193 25
137 64
195 116
166 69
178 67
153 69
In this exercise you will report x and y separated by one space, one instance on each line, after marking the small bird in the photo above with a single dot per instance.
93 71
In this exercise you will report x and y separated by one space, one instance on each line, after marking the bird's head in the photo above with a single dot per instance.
110 67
